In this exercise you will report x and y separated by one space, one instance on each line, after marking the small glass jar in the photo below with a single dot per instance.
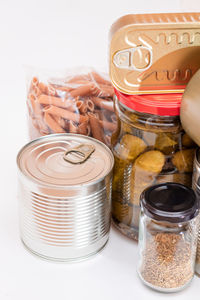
149 148
168 236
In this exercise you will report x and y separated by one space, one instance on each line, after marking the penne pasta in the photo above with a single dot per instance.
42 87
82 90
108 125
73 128
99 79
83 128
51 90
60 121
57 101
90 105
36 91
65 114
34 81
77 78
96 128
108 105
35 105
80 104
52 124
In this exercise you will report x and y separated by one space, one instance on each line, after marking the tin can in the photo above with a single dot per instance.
196 187
65 196
154 53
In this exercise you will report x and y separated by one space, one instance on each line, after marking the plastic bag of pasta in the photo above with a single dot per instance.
76 101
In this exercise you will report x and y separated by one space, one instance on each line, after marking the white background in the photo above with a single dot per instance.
60 34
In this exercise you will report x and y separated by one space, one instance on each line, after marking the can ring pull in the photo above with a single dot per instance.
82 152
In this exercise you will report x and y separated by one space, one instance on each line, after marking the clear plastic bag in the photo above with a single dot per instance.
78 101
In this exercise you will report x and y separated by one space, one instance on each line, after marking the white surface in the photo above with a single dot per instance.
60 34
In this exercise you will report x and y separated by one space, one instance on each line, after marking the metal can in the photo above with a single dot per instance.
196 187
65 196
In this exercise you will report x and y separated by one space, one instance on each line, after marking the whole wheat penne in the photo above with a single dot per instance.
36 91
31 103
108 125
83 109
96 127
88 130
60 121
36 108
82 90
107 91
113 118
79 103
34 82
108 140
43 128
78 78
57 101
73 128
90 105
51 90
53 125
103 104
66 114
99 79
64 88
104 114
103 91
83 128
42 87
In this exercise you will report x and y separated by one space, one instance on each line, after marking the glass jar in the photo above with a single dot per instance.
196 188
149 148
168 236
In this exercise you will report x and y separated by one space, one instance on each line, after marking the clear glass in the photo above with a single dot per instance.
148 149
198 257
167 253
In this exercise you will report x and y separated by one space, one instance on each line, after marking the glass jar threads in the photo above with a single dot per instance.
168 236
149 147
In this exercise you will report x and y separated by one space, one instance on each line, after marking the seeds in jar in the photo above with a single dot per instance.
167 261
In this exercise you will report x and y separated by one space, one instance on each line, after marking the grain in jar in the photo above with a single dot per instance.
168 236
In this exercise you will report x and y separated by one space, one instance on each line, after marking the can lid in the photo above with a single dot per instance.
154 53
158 104
170 202
65 160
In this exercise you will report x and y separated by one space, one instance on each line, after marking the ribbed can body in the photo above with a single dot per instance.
196 187
65 228
64 222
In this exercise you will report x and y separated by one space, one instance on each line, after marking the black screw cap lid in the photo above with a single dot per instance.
171 202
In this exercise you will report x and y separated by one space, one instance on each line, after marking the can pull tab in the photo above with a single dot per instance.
82 153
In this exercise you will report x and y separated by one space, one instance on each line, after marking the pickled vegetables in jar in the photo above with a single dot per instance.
149 147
